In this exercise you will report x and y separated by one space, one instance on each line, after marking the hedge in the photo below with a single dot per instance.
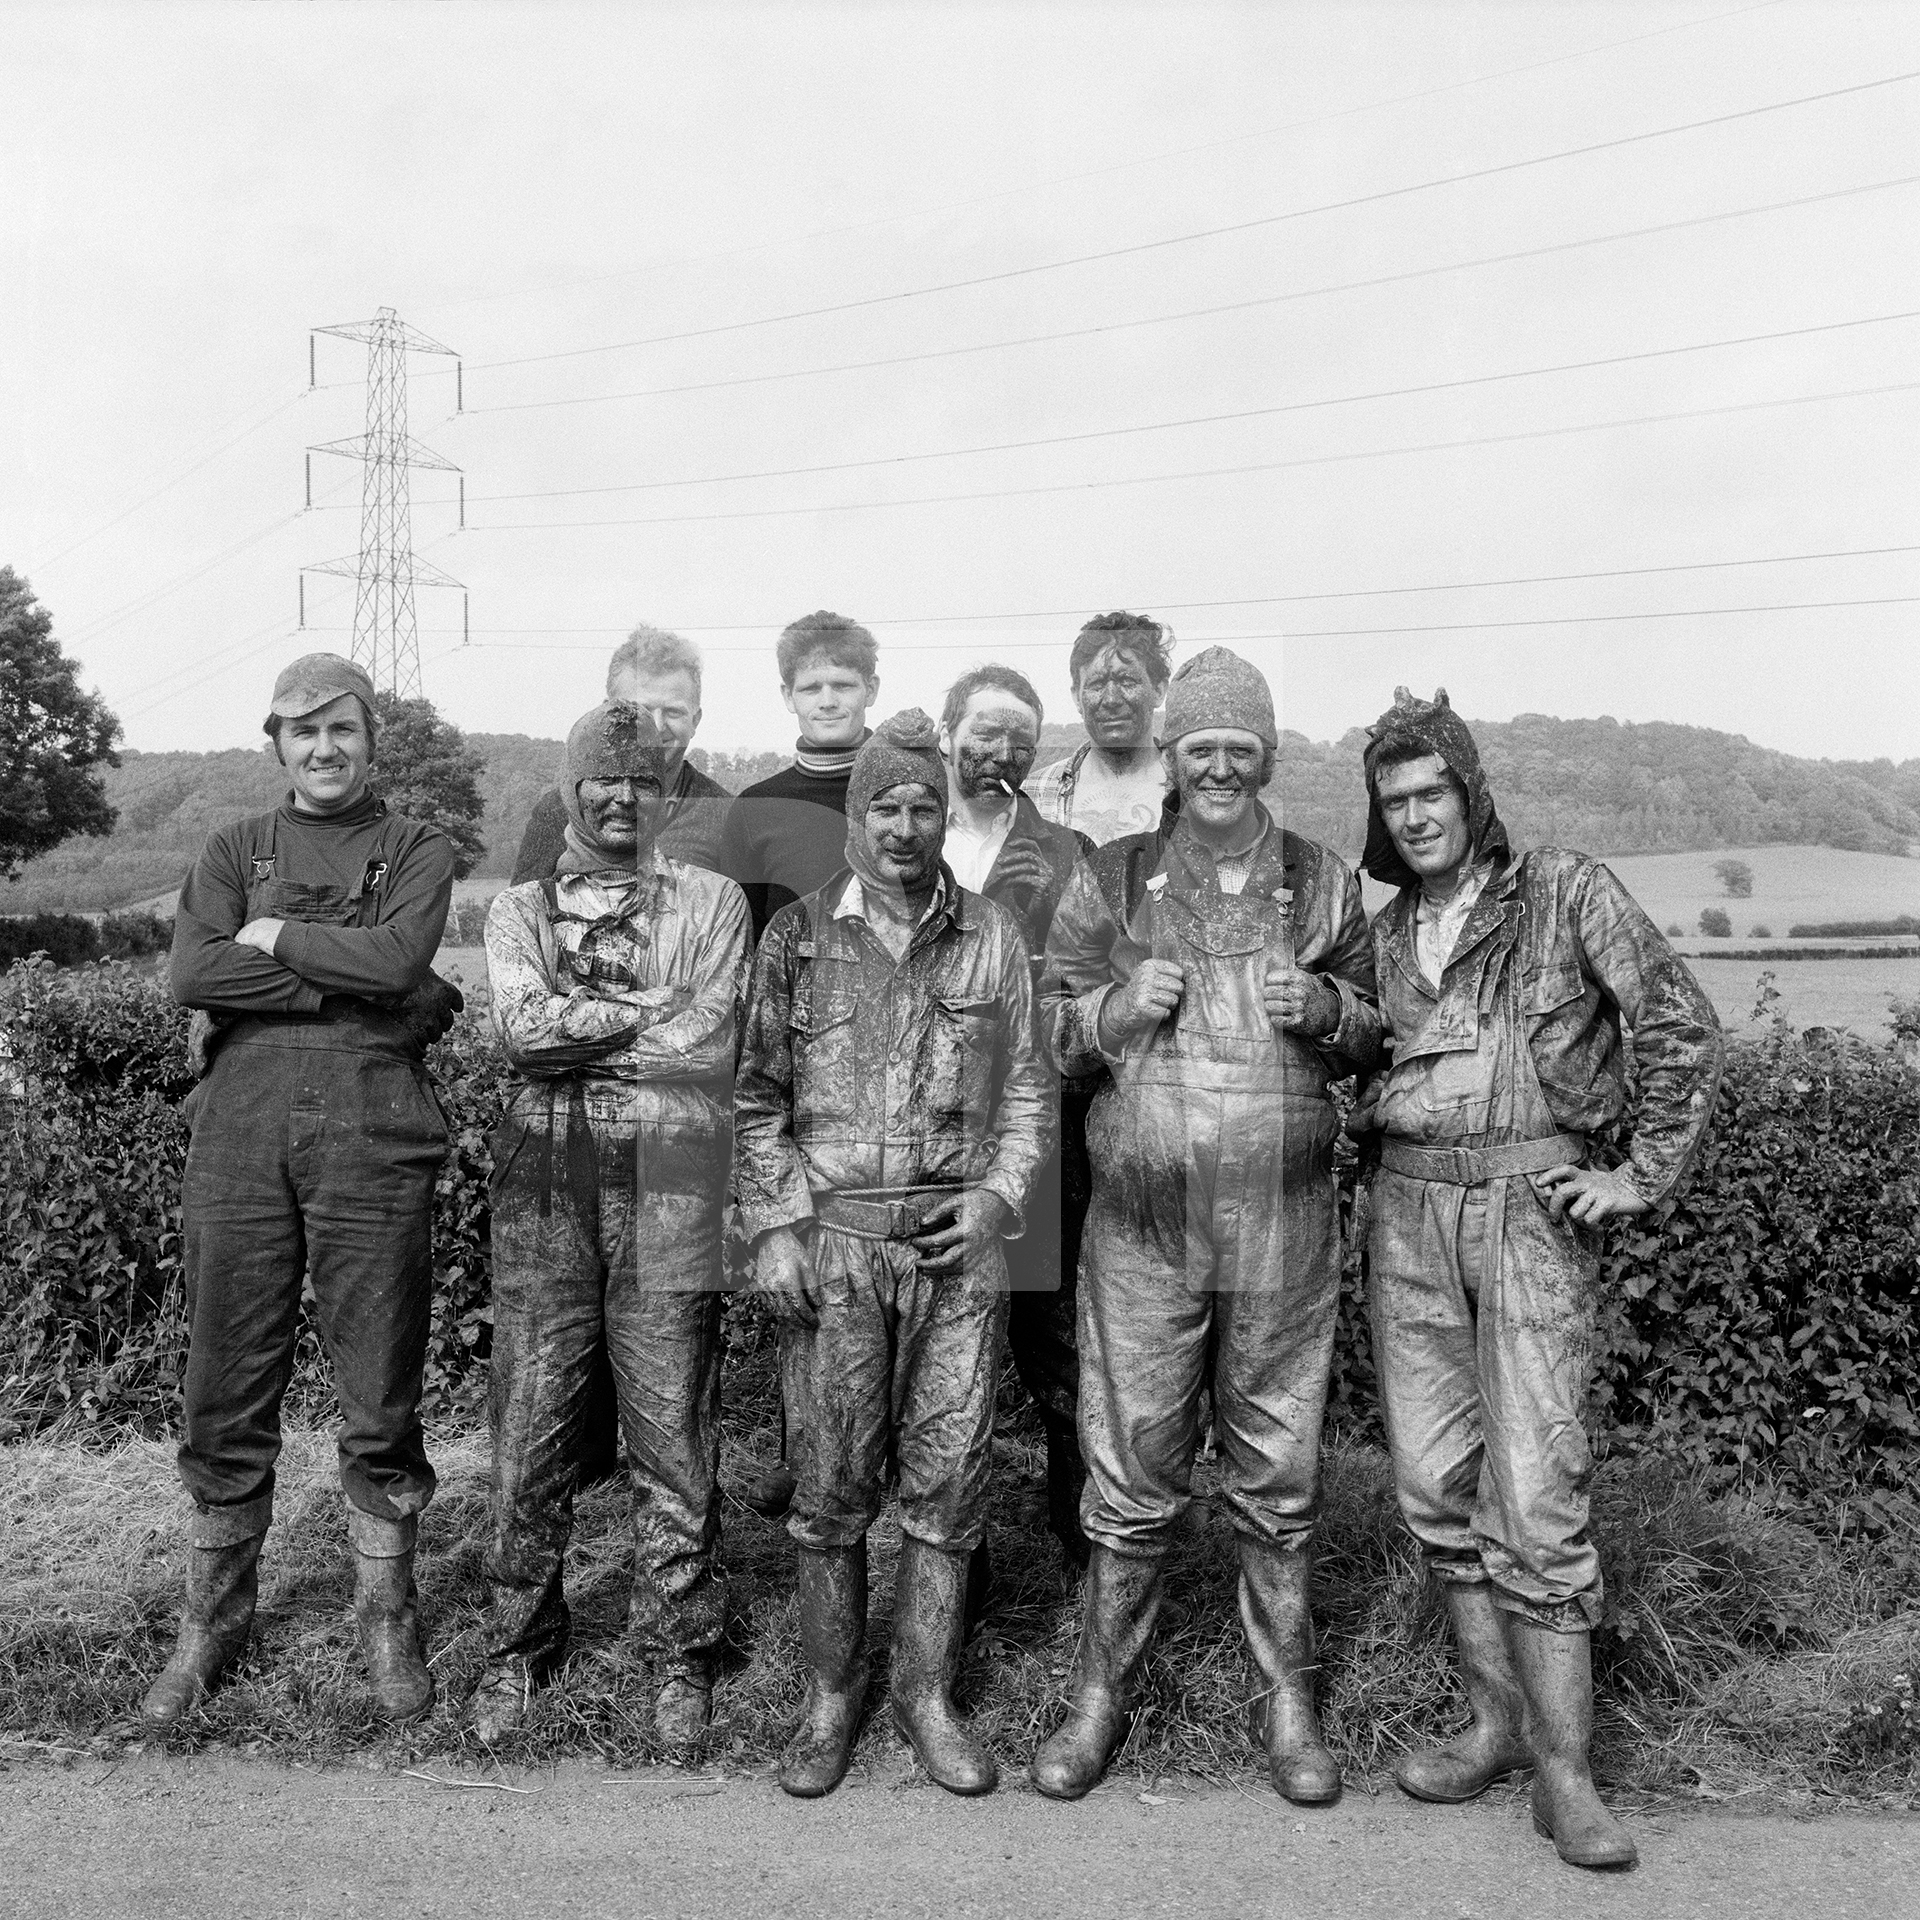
72 939
1765 1318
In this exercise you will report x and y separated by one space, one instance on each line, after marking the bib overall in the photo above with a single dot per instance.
316 1140
1212 1242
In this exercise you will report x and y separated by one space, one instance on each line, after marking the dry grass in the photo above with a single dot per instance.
1741 1658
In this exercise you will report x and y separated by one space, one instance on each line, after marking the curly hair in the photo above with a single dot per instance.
1149 641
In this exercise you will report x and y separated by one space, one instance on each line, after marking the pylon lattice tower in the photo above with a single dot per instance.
386 637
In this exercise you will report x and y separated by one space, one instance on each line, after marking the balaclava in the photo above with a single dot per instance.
615 741
1216 688
905 748
1428 726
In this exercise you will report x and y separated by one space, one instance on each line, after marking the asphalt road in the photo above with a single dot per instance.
160 1838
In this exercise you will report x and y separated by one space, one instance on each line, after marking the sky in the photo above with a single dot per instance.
1385 344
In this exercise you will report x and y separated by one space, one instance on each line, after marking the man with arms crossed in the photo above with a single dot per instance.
616 994
1505 980
891 1114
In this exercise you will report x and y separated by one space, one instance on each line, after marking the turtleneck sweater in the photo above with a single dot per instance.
780 852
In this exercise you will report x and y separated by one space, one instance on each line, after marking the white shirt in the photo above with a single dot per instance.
1437 923
970 853
1094 801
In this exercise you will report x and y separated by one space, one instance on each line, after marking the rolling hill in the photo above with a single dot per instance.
1601 785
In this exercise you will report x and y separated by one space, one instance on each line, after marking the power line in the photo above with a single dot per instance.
1098 173
1338 633
167 486
1206 419
1205 233
1198 473
1599 619
1256 600
1229 306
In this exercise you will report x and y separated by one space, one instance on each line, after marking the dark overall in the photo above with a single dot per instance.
1483 1305
607 1201
1212 1244
316 1141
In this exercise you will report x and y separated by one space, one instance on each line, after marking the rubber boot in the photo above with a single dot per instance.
1123 1600
223 1584
502 1700
682 1710
833 1637
1066 1482
1556 1674
1494 1744
1276 1612
386 1608
929 1604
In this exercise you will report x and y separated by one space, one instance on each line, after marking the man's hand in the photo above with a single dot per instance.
1365 1117
259 933
429 1009
783 1274
1145 1001
958 1234
1022 865
1588 1195
1300 1002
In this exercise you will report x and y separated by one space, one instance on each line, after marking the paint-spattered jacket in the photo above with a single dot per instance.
1556 940
858 1074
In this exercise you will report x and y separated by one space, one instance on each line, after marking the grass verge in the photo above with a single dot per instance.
1745 1657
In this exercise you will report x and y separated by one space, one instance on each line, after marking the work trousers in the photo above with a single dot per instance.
1212 1251
312 1159
1483 1320
902 1367
577 1262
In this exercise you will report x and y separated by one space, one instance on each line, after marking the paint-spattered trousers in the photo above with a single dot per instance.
605 1260
313 1157
1483 1318
903 1366
1212 1250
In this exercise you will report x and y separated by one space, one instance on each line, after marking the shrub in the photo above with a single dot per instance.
133 936
1856 929
1715 924
1675 931
1736 877
67 939
467 924
1760 933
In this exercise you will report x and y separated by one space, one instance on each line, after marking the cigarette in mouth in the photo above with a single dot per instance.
1007 790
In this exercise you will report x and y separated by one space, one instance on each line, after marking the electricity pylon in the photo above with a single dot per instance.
386 640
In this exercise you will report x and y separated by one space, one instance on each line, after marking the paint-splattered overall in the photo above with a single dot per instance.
1483 1305
610 1174
1212 1246
871 1092
316 1140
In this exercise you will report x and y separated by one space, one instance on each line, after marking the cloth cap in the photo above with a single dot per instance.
906 747
1409 729
614 741
313 680
1216 688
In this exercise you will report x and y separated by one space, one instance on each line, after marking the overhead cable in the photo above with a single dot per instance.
1229 306
1139 247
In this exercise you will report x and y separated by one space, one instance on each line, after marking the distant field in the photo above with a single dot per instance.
1813 993
1790 885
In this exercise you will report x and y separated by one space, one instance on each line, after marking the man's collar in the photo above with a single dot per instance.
948 897
657 875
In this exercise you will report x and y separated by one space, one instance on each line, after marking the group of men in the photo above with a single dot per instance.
985 1057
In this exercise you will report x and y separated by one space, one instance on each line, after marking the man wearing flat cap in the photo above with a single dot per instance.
1219 967
1505 980
892 1113
304 941
616 987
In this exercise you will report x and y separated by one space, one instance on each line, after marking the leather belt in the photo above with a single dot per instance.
882 1216
1469 1166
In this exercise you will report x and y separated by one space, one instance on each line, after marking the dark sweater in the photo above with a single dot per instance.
786 837
696 820
387 958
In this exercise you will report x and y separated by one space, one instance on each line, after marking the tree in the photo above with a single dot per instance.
1715 924
424 768
52 736
1736 876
